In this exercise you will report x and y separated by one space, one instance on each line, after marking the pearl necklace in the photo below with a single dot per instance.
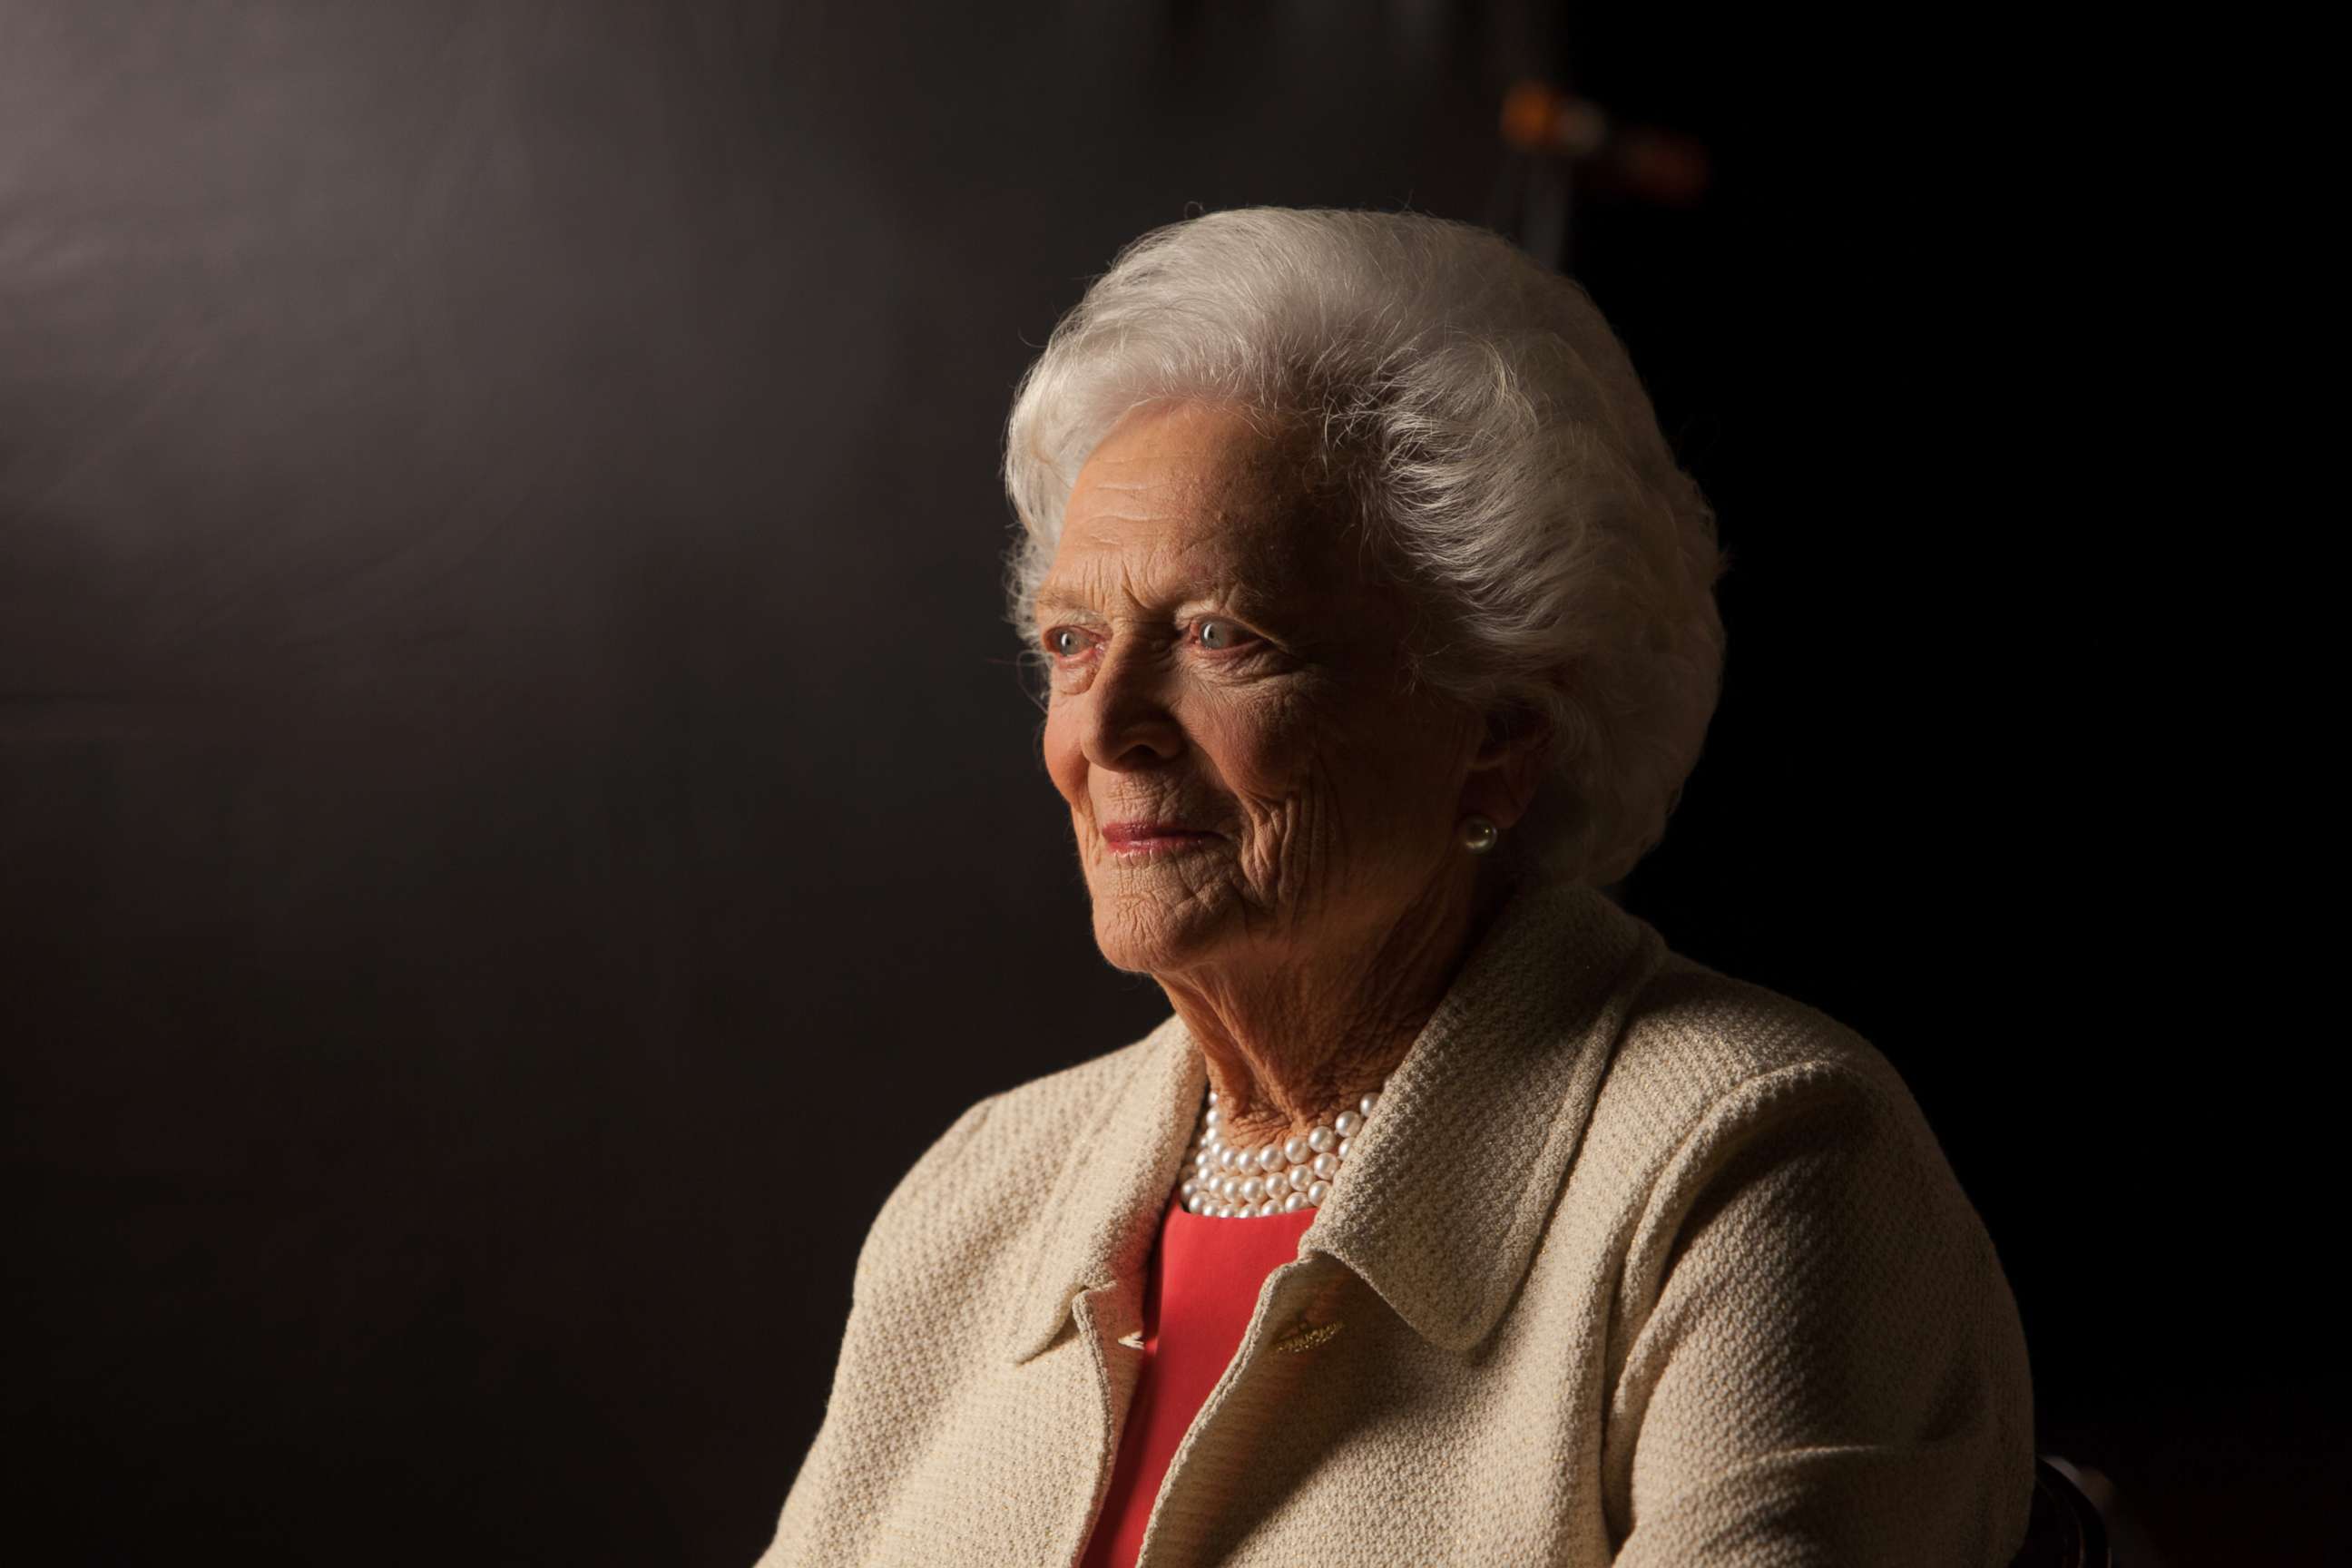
1227 1182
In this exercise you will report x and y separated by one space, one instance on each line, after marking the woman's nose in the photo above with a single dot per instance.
1129 725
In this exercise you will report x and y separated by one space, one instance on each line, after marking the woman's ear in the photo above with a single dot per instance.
1508 766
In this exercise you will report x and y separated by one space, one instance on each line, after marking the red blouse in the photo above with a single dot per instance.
1198 1296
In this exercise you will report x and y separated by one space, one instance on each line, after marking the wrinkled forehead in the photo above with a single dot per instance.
1201 497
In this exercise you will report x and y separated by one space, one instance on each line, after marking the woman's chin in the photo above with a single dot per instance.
1155 930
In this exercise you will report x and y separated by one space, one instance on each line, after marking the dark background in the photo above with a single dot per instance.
517 820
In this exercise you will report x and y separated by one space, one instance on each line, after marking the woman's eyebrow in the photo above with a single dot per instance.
1049 600
1074 597
1243 599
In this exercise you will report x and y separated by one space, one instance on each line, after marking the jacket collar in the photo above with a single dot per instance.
1448 1190
1105 1209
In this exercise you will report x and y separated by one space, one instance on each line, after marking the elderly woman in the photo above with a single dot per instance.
1449 1217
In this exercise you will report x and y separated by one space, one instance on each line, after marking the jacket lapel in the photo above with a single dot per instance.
1450 1187
1108 1198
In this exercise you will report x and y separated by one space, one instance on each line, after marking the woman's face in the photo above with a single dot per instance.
1246 776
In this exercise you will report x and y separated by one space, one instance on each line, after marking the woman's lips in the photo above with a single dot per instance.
1136 839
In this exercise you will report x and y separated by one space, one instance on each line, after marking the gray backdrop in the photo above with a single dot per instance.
517 817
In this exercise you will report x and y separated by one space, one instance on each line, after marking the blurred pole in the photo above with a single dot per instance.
1548 130
1550 136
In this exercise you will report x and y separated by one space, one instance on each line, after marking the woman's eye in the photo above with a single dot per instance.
1220 634
1065 642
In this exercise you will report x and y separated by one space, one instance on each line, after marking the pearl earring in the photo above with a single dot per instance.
1479 834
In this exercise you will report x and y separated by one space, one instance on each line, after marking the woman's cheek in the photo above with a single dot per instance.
1262 744
1063 764
1284 791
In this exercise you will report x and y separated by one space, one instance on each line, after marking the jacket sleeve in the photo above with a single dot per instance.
828 1496
1822 1362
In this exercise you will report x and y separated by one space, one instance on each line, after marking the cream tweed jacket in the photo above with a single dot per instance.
1638 1264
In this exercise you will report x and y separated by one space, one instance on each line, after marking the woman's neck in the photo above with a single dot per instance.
1292 1039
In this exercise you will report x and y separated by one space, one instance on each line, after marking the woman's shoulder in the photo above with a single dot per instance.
1041 1112
1784 1219
1725 1029
1047 1108
1697 1042
953 1193
1723 1093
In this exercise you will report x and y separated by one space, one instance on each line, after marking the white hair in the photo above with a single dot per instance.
1502 454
